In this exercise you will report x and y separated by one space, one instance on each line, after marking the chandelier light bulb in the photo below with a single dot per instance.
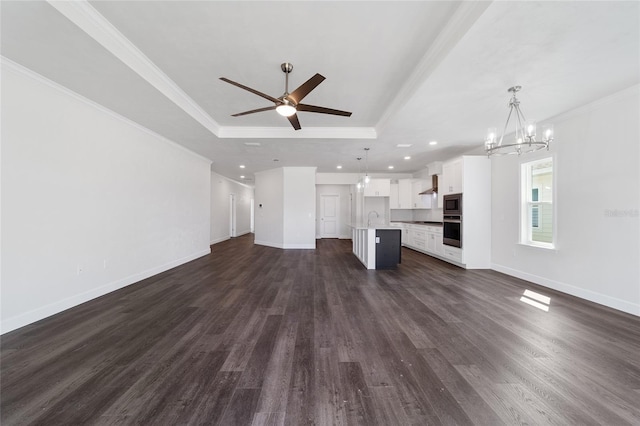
531 129
547 132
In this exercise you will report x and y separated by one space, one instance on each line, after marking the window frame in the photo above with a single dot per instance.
527 204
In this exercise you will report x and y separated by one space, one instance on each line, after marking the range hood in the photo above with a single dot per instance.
434 186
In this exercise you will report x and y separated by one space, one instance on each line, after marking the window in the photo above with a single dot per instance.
537 218
535 211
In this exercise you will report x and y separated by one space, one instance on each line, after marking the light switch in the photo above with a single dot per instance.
377 240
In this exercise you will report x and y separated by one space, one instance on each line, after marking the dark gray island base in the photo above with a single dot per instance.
377 248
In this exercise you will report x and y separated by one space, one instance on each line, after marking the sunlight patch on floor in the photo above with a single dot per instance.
536 299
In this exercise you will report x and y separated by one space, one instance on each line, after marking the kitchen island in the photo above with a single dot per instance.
377 247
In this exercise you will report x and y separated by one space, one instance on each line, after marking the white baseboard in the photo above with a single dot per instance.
300 246
227 237
219 240
592 296
268 244
285 246
34 315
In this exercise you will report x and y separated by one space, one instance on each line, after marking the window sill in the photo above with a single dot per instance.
549 247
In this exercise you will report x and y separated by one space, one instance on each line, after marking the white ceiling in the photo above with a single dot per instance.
410 72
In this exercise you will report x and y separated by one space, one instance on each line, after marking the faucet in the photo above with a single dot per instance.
369 217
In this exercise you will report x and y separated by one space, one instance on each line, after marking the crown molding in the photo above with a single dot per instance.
304 133
88 19
7 65
462 20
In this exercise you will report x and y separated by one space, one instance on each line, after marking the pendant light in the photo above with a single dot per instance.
366 167
359 185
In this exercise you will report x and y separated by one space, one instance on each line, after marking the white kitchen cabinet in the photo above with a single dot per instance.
421 201
378 188
405 188
438 243
405 236
475 253
394 196
431 243
453 253
419 238
452 178
434 240
471 176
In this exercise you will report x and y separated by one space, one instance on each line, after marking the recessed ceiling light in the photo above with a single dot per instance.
242 166
391 167
338 167
252 143
242 177
275 159
403 145
433 143
408 157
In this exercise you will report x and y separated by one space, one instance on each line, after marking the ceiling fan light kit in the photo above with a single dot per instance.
525 133
289 104
286 109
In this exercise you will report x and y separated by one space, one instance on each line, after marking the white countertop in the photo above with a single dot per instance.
372 226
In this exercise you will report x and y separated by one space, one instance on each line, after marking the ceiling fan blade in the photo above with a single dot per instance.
306 87
271 98
322 110
254 111
293 119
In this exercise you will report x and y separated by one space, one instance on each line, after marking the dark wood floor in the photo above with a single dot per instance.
256 335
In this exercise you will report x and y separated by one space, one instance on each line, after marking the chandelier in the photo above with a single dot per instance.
525 135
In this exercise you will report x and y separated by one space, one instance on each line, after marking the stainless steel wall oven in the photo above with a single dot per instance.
452 220
452 231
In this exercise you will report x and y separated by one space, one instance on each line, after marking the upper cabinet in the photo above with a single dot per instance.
378 188
452 177
451 180
401 194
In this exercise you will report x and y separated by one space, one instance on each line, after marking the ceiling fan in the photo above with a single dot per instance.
289 104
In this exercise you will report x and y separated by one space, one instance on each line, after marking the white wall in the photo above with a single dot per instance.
596 165
344 192
299 207
269 208
221 189
85 189
287 216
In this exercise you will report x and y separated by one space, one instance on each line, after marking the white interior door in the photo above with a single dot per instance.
329 216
